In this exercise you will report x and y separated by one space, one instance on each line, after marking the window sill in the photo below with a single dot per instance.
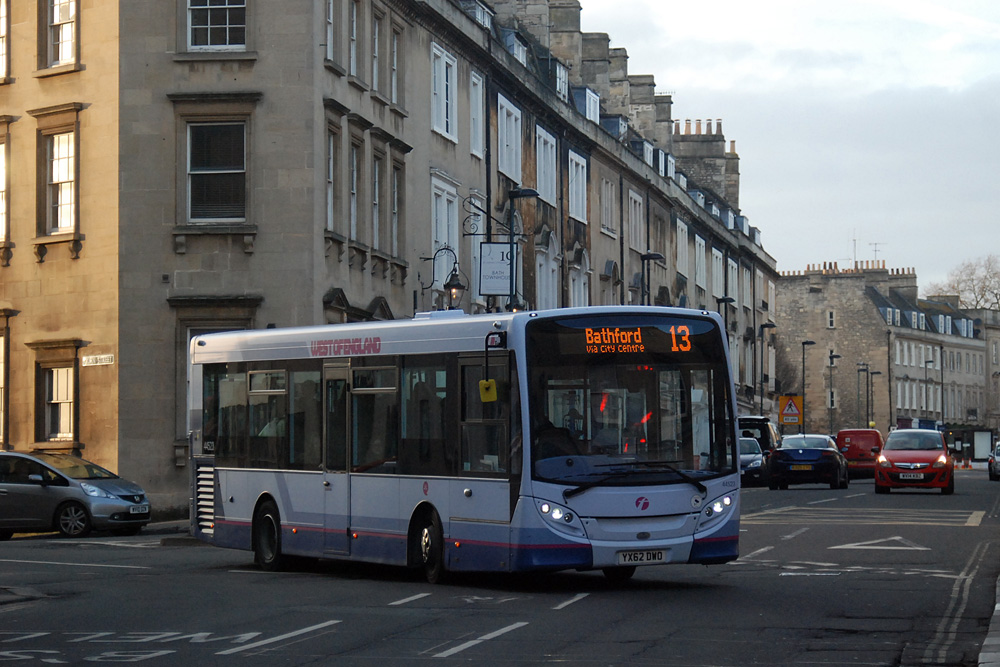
202 56
57 70
6 252
357 83
335 241
381 99
608 233
73 239
181 232
4 80
398 110
334 67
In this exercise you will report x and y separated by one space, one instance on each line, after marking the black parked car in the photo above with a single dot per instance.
807 459
752 464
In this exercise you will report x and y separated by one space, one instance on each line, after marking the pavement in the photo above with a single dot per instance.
177 533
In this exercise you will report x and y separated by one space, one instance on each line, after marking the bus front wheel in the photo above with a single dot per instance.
432 549
267 537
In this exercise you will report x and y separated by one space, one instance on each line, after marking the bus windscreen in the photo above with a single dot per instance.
629 400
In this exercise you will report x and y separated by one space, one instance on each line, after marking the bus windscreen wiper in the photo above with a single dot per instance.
576 490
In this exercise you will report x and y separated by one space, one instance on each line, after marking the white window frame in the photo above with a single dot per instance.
562 82
331 35
58 403
378 166
377 22
772 299
683 251
718 273
747 289
477 114
62 32
332 146
212 171
545 166
517 48
577 186
444 68
608 208
732 279
204 8
579 283
547 277
394 67
4 49
647 153
61 182
636 221
508 139
395 192
353 34
4 215
700 269
593 106
353 182
444 227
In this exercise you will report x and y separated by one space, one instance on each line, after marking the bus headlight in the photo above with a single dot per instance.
560 518
716 511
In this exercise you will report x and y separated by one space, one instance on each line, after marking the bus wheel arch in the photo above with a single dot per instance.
426 543
266 535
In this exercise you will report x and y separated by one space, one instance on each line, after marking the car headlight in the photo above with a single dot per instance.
93 491
883 462
941 462
754 464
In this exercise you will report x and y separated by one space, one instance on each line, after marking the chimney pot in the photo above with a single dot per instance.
697 126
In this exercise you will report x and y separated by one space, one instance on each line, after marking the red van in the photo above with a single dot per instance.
856 445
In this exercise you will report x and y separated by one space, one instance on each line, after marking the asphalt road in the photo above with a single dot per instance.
827 577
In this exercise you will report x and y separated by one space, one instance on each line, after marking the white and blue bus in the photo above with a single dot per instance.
597 438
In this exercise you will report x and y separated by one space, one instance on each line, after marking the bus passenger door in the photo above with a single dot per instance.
336 481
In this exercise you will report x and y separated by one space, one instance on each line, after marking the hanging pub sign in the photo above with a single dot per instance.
495 266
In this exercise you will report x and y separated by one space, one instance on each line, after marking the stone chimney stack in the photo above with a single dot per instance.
566 40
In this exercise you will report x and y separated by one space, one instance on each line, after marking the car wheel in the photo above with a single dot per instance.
619 575
773 486
72 520
881 489
267 537
432 549
950 489
993 476
847 479
6 535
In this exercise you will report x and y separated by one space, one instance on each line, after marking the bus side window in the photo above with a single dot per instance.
424 448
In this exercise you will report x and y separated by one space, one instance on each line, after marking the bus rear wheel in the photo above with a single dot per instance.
432 549
267 537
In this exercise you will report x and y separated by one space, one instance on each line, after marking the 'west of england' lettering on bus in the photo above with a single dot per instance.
344 347
608 340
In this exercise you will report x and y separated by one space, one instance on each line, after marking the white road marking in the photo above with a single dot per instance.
409 599
46 562
484 638
279 638
809 574
570 601
827 500
795 534
975 518
899 544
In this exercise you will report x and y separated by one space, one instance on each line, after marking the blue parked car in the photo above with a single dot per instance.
807 459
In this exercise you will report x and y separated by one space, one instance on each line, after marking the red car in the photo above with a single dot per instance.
860 446
915 459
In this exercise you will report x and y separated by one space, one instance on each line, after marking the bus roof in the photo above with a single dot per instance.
427 332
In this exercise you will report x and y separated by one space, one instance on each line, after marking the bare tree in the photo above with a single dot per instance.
975 282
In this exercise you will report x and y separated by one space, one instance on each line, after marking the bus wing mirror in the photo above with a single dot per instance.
488 391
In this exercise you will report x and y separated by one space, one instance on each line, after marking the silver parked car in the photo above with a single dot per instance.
44 491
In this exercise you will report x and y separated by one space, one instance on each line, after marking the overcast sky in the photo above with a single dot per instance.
866 129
